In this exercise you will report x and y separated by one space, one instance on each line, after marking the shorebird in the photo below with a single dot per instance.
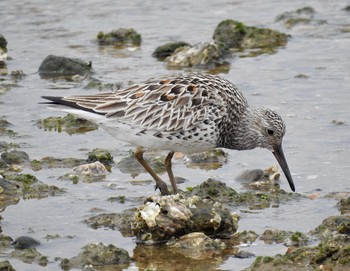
187 113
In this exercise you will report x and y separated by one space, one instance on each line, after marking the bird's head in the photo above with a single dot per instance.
270 130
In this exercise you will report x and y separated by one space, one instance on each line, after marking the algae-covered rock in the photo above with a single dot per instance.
332 252
163 51
71 124
27 186
254 200
122 37
15 157
100 256
162 218
100 155
29 255
301 16
236 35
60 67
207 55
6 266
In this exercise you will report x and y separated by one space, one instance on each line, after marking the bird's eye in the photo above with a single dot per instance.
270 132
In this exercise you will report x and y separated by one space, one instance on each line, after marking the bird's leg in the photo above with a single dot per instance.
167 164
159 183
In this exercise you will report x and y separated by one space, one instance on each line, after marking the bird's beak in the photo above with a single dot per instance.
278 153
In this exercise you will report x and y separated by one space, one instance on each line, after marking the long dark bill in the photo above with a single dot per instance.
278 153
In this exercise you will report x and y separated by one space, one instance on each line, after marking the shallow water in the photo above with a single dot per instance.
317 151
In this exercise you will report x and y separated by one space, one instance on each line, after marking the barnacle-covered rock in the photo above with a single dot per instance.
161 218
88 173
207 55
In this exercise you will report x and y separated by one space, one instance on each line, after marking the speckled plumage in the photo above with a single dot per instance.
188 113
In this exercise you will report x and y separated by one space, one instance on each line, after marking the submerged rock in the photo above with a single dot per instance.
100 256
301 16
258 179
160 219
24 242
162 52
206 160
60 67
122 221
122 37
71 124
195 251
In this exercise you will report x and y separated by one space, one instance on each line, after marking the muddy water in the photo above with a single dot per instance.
317 151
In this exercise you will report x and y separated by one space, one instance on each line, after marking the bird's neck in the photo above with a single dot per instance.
243 134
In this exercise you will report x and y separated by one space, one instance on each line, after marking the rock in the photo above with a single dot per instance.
29 255
28 187
301 16
215 190
344 205
246 237
122 221
206 160
52 162
250 175
123 37
130 165
63 67
162 52
100 155
202 56
161 218
244 254
237 36
88 173
25 242
15 157
275 236
3 51
71 124
99 255
332 252
257 179
6 266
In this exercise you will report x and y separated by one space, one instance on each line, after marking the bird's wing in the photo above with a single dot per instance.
165 105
